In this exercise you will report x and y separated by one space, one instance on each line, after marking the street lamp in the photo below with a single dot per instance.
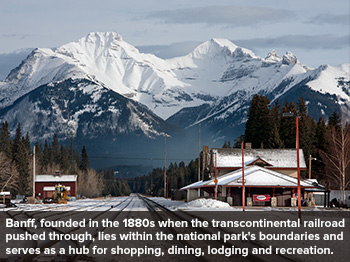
310 158
298 164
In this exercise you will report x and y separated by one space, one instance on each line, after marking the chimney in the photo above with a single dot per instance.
248 145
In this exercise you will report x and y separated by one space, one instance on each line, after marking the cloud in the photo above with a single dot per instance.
322 19
228 15
170 51
290 42
308 42
9 61
20 36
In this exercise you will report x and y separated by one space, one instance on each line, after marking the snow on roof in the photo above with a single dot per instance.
53 178
253 176
195 185
278 158
259 176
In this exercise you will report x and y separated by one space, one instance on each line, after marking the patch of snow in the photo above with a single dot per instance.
203 203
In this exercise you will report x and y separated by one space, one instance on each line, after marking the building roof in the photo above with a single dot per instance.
277 158
254 176
56 178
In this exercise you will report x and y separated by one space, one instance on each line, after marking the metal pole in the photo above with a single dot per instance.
34 172
298 167
151 191
243 185
216 180
199 157
310 166
165 187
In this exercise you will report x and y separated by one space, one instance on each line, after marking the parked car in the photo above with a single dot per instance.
347 201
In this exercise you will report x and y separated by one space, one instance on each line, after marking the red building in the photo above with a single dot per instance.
45 184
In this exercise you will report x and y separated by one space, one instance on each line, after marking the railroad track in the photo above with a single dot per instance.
126 210
185 216
61 215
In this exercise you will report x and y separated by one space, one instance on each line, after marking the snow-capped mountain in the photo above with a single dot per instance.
102 85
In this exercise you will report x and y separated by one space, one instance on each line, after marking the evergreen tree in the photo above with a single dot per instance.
334 121
64 161
275 113
307 127
17 141
26 142
38 157
84 163
321 133
5 141
46 156
55 149
238 142
275 140
21 158
288 125
72 158
227 144
258 127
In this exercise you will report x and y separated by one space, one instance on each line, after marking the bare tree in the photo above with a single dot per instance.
90 183
8 174
337 157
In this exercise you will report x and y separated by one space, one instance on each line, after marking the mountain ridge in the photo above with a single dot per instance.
212 85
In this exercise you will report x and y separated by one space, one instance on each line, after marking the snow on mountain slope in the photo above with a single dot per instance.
120 66
40 67
81 108
217 73
332 80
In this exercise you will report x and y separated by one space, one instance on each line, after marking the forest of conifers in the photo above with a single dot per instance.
327 141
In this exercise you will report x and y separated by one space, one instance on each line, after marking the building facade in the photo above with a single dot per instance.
270 177
45 185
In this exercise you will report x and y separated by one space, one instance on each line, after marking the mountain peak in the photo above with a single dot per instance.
102 37
273 57
95 44
289 58
213 47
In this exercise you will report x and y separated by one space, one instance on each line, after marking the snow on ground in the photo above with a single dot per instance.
206 204
170 204
136 204
201 204
88 204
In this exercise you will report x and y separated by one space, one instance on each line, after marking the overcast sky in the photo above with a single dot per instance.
316 31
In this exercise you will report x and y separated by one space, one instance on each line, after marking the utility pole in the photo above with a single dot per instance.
165 186
151 191
34 172
310 166
199 157
298 167
290 114
216 179
243 185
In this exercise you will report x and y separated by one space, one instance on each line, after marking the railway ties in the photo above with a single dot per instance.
119 237
65 237
195 238
201 244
